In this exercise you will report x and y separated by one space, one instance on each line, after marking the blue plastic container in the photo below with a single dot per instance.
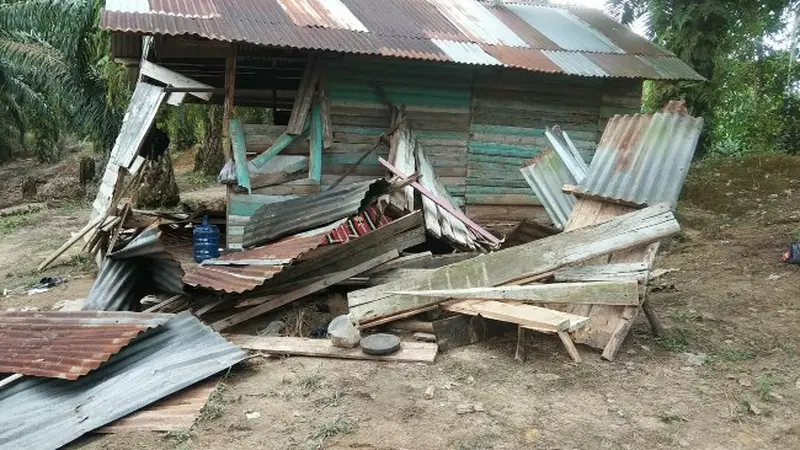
205 241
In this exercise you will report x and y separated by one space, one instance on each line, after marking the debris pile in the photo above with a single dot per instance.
398 250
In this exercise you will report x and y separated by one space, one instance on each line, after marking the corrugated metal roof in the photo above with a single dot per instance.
140 268
408 28
643 159
46 414
276 220
67 345
239 279
546 175
575 63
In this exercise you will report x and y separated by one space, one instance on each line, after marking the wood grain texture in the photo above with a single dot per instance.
527 316
413 352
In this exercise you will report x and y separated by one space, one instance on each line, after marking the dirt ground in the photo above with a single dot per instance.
732 303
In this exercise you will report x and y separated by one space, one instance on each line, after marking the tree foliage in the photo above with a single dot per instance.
50 81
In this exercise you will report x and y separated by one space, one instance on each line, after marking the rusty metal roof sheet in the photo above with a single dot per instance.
47 414
643 159
242 278
67 345
462 31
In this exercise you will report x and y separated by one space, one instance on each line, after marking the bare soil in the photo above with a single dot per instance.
732 300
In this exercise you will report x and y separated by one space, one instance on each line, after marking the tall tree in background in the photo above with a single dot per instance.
705 34
49 77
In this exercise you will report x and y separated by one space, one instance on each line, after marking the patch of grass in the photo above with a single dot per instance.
669 417
329 401
734 355
11 224
764 385
178 436
677 340
338 427
71 207
311 381
213 409
82 262
200 179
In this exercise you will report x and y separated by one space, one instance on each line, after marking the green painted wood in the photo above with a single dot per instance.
239 153
247 204
315 159
283 141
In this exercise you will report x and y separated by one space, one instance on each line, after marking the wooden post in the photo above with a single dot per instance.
316 141
230 86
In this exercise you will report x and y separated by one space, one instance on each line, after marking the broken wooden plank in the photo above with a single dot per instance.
402 262
305 94
570 346
281 143
175 79
303 291
600 293
64 247
527 316
537 257
414 352
412 325
604 272
327 128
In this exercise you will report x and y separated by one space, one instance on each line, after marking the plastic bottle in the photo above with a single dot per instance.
205 241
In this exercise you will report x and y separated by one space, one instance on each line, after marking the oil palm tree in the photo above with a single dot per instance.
49 79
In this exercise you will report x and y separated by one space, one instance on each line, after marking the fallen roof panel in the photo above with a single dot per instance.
67 345
47 414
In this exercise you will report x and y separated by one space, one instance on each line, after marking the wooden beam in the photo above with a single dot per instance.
445 205
315 142
303 291
604 272
411 352
176 80
87 228
570 346
600 293
230 87
537 257
305 94
327 129
527 316
281 143
239 154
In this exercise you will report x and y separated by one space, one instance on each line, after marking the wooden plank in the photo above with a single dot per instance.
570 346
604 272
302 292
600 293
525 260
172 78
327 130
239 153
412 352
402 262
305 94
460 330
528 316
86 229
412 325
275 178
315 141
281 143
230 89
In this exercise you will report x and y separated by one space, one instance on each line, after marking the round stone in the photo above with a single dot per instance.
380 344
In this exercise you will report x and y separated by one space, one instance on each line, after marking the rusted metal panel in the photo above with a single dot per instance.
242 278
322 13
566 30
575 63
403 29
67 345
546 174
643 159
466 53
47 414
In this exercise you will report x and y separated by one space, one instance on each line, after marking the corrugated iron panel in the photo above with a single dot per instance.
67 345
621 35
276 220
643 159
400 29
523 58
466 53
575 63
671 68
623 66
322 13
47 414
140 268
564 29
239 279
546 174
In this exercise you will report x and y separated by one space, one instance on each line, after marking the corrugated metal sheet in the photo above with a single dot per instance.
47 414
567 153
574 63
408 28
140 268
643 159
67 345
546 175
238 278
276 220
322 13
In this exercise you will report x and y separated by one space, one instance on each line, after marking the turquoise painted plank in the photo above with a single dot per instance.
492 149
362 131
497 190
398 99
503 199
372 160
494 162
398 89
277 147
246 205
498 182
236 133
315 160
505 130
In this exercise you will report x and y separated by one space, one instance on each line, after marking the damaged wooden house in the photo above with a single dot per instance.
400 128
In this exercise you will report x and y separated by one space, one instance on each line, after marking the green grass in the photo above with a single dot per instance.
677 341
764 385
310 382
668 417
11 224
338 427
82 262
734 355
200 179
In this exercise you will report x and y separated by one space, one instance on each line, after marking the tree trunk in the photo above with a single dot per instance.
210 159
159 189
